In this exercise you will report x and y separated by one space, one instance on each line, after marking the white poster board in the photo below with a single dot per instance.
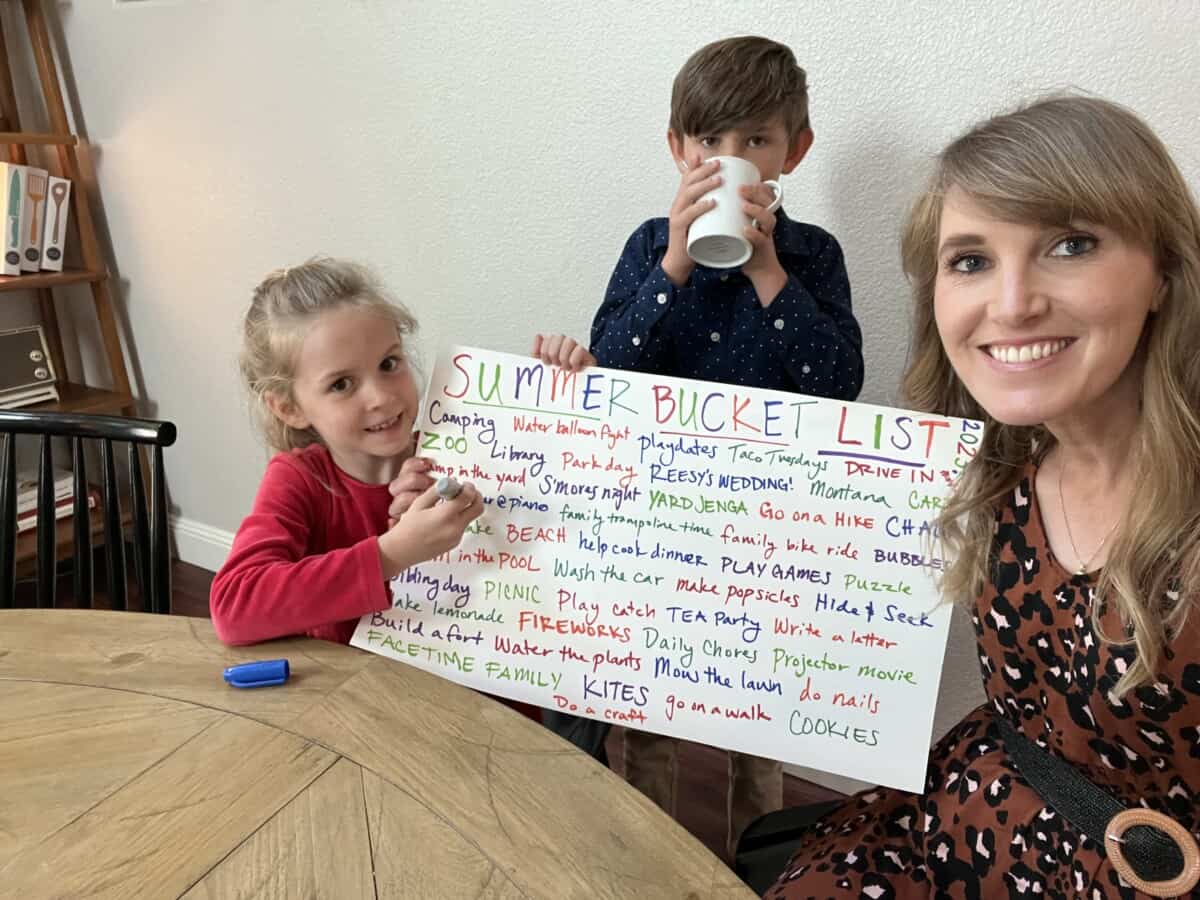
745 568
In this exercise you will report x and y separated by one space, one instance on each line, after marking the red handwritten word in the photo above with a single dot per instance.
517 561
753 713
539 535
537 622
631 715
853 520
867 470
899 437
695 587
635 611
592 463
791 629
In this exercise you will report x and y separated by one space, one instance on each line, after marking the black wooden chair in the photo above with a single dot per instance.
770 840
151 549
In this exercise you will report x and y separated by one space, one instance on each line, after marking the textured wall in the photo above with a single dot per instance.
491 158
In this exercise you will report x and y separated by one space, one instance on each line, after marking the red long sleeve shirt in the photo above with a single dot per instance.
306 559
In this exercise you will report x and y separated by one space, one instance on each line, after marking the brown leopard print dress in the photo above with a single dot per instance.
979 831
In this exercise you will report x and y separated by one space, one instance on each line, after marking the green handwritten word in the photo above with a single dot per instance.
655 640
718 650
450 658
917 500
845 492
878 587
802 725
500 672
565 569
699 503
497 591
899 675
803 663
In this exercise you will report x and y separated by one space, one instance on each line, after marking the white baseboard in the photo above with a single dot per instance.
838 783
200 544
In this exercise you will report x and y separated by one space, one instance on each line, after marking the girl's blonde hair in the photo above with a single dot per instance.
1062 160
283 308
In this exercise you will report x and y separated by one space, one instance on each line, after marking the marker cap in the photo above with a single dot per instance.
263 673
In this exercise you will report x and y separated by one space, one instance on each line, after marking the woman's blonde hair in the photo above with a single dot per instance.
283 308
1060 160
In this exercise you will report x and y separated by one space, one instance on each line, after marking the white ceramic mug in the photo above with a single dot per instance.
715 238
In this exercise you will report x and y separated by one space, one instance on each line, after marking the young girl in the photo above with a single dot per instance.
324 359
1055 263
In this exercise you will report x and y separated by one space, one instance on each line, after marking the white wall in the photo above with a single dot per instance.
490 159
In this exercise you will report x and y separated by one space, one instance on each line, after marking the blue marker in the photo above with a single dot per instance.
263 673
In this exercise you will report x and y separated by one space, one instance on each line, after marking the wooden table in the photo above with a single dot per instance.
129 769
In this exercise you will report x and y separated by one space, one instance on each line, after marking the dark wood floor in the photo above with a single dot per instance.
702 769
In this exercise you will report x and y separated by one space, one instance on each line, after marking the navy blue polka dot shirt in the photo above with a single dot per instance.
714 328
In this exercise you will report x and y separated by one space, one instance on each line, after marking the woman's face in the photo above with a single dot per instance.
1042 322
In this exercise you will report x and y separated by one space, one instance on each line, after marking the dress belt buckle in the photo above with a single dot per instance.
1114 845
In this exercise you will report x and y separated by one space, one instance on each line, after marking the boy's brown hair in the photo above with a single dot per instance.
729 82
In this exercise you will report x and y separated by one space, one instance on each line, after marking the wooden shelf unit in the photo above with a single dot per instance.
69 160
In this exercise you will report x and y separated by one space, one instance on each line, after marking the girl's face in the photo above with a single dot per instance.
1040 322
354 387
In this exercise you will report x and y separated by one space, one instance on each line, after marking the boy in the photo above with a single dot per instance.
783 321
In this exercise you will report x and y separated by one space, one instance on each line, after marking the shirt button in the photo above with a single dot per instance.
805 369
637 342
716 337
724 276
779 324
661 298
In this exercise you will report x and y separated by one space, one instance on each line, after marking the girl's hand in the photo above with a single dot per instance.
429 528
414 479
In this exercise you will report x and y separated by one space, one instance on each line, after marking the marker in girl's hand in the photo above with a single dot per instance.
447 487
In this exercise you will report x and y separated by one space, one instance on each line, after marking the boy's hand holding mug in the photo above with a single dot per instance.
690 203
763 268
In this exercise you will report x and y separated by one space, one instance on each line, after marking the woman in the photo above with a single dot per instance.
1055 261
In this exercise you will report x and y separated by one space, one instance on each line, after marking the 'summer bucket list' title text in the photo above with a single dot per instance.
746 568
